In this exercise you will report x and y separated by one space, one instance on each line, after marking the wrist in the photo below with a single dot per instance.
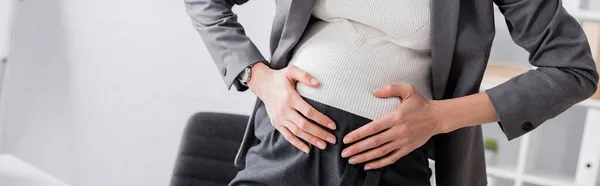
441 117
456 113
259 70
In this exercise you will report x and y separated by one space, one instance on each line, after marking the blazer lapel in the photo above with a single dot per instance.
295 23
444 32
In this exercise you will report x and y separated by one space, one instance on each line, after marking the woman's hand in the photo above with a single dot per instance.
412 124
276 88
395 134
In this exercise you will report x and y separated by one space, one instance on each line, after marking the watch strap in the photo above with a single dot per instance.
244 76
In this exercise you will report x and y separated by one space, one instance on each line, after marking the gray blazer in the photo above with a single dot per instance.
462 36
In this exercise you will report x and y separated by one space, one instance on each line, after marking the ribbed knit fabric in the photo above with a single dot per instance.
360 45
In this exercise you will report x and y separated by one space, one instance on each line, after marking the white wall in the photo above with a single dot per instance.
6 9
594 5
36 104
99 91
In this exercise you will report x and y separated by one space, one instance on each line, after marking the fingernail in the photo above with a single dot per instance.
345 154
314 81
305 150
368 167
321 145
331 126
347 140
376 90
331 140
353 161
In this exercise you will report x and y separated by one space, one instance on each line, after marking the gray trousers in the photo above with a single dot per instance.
274 161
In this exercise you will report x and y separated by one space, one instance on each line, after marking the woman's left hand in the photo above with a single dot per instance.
397 133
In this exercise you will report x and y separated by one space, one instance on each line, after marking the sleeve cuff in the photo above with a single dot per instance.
511 111
236 83
230 71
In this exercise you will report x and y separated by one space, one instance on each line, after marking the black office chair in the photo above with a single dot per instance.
208 148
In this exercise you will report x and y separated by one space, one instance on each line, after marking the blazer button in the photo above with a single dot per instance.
527 126
224 71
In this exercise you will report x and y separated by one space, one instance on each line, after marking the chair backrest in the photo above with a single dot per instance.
208 147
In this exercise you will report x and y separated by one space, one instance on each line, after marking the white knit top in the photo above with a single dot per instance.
360 45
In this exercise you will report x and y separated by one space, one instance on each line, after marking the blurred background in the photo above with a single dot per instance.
97 93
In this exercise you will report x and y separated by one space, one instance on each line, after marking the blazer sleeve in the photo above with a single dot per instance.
224 37
566 72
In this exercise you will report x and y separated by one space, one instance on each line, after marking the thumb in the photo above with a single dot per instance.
395 90
296 74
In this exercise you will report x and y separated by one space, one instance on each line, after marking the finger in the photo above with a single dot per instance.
373 153
369 129
395 90
312 113
368 143
310 128
297 74
306 136
388 160
293 139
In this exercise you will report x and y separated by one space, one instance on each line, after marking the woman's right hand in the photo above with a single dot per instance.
276 88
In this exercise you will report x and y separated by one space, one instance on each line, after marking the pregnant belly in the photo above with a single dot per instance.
349 69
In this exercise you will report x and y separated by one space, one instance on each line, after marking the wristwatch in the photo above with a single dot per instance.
244 76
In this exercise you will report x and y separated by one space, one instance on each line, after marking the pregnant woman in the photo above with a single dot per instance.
363 92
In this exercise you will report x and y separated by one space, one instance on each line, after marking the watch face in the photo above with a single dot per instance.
245 76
